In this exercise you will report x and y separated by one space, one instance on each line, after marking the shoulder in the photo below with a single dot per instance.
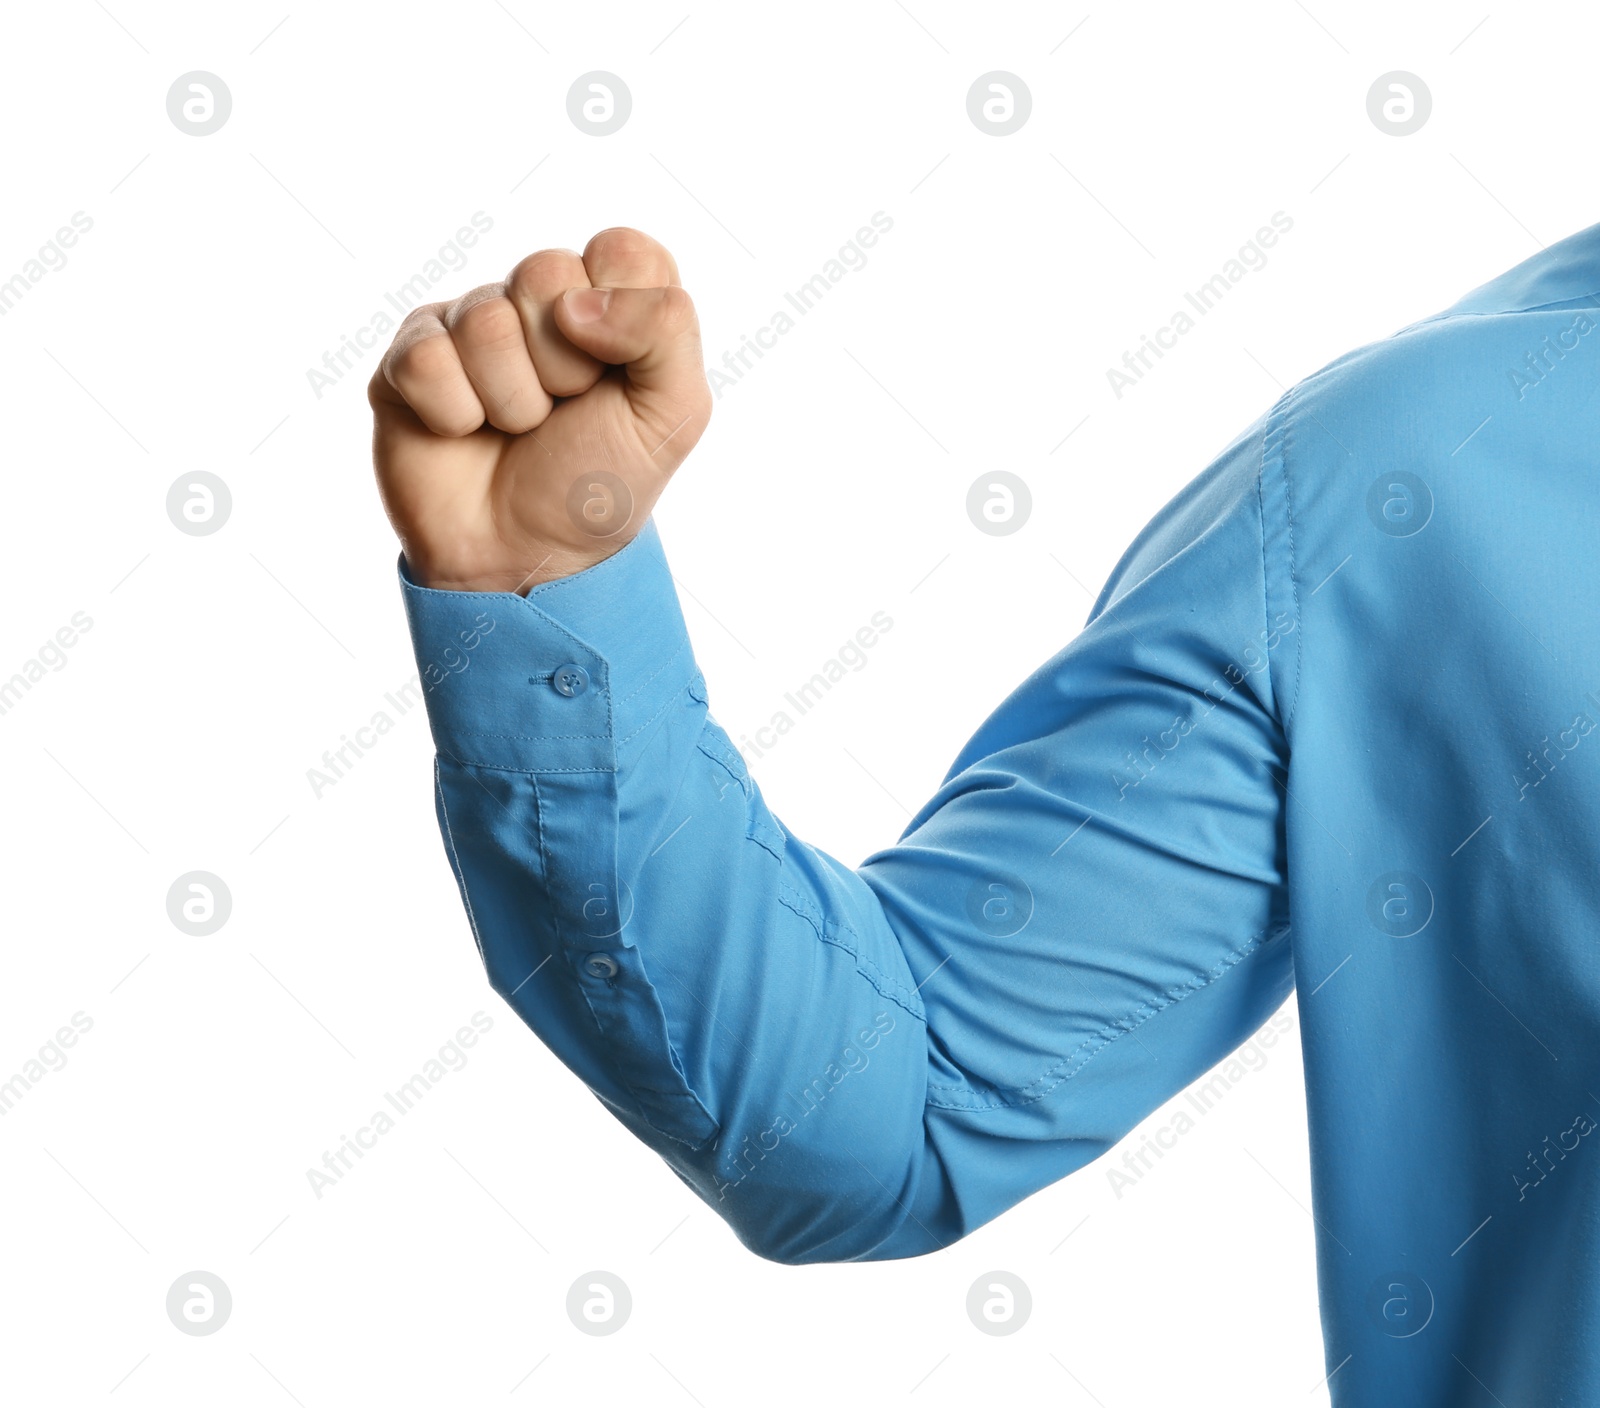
1445 374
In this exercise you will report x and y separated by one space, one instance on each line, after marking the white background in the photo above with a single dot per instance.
831 485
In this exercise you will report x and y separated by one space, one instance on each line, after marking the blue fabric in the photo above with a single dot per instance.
1349 675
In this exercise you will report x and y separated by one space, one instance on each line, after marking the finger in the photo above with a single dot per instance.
422 365
533 287
488 337
625 258
655 334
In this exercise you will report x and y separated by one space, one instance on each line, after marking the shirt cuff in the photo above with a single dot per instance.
552 681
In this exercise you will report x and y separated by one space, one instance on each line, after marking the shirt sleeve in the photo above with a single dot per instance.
870 1062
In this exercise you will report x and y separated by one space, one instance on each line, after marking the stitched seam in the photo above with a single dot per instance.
1432 320
1272 456
794 901
655 674
525 737
725 755
1550 307
665 1094
724 761
670 700
1065 1069
547 588
521 771
1261 525
758 828
1294 572
544 856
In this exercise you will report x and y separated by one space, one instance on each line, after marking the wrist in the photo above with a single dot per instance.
447 572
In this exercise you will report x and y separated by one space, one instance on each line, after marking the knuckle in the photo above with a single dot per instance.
425 361
621 242
545 274
674 425
425 320
675 312
623 245
491 322
470 299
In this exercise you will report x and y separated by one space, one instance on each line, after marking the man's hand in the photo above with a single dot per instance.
524 431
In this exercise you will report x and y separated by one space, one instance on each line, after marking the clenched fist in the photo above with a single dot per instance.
524 431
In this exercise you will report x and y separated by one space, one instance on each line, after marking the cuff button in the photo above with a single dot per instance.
569 680
600 965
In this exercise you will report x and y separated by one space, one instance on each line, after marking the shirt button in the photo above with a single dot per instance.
570 679
600 965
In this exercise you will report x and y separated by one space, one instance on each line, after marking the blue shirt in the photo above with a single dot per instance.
1330 727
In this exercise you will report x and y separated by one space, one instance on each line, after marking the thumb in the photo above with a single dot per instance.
654 334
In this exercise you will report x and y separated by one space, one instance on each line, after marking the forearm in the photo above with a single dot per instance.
871 1062
736 998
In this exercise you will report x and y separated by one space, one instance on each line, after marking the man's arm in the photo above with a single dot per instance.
866 1062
